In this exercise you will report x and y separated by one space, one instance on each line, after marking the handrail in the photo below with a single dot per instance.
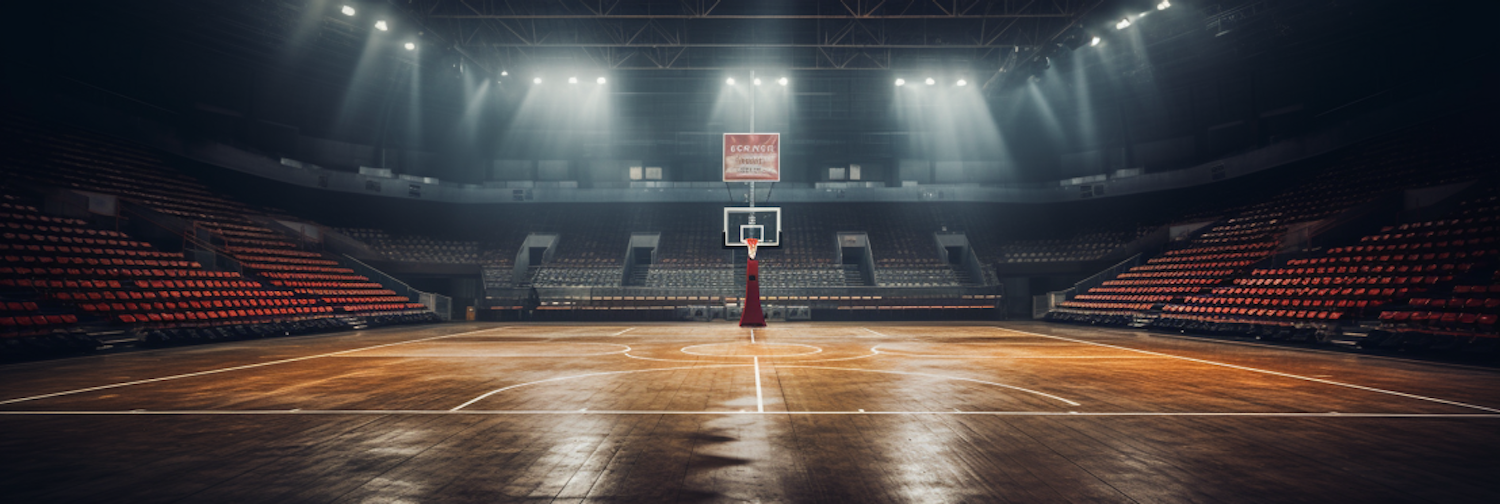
438 303
1046 302
188 234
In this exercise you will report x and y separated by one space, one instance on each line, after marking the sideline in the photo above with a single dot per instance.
237 368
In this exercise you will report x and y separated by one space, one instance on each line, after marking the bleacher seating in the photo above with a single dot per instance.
105 277
1222 281
931 276
416 248
575 275
1084 246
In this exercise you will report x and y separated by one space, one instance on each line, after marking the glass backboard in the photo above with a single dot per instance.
761 223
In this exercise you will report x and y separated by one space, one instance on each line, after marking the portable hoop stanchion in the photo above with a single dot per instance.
751 315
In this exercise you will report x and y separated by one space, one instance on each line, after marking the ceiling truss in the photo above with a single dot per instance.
973 35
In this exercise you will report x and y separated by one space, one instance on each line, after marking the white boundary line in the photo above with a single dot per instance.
942 377
586 375
752 336
1266 371
877 333
760 400
628 329
494 356
236 368
1269 414
877 350
865 356
816 350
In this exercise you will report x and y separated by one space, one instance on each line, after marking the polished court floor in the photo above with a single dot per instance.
797 412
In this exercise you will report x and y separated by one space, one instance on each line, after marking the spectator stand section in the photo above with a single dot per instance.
260 283
1227 282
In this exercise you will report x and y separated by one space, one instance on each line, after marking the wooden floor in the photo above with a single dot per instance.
797 412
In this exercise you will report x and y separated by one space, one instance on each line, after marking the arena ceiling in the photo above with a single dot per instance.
976 35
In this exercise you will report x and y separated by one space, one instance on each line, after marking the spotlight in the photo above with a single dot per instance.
729 81
1163 5
931 81
347 10
504 73
1124 23
599 80
756 81
1094 42
537 80
781 81
900 82
962 82
380 25
410 46
572 80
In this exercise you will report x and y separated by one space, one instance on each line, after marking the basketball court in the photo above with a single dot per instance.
794 412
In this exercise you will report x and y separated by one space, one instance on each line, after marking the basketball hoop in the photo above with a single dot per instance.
752 242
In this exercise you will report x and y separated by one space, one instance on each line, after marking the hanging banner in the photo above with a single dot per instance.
752 157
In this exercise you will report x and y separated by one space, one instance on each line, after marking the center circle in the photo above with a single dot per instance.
750 350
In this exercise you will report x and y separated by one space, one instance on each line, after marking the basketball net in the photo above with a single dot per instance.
752 242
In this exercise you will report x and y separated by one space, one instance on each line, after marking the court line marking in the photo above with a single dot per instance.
816 350
235 368
628 329
659 360
1252 414
586 375
865 356
877 333
942 377
752 336
760 400
482 356
1269 372
877 350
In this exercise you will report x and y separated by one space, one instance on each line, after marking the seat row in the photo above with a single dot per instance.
88 251
196 305
214 315
1257 313
1342 280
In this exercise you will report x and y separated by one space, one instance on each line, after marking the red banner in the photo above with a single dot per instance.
752 157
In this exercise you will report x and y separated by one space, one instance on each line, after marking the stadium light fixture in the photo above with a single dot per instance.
756 81
411 46
537 80
931 81
599 81
1094 42
962 83
729 81
347 10
572 80
1123 24
1164 4
900 82
782 81
380 25
504 73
